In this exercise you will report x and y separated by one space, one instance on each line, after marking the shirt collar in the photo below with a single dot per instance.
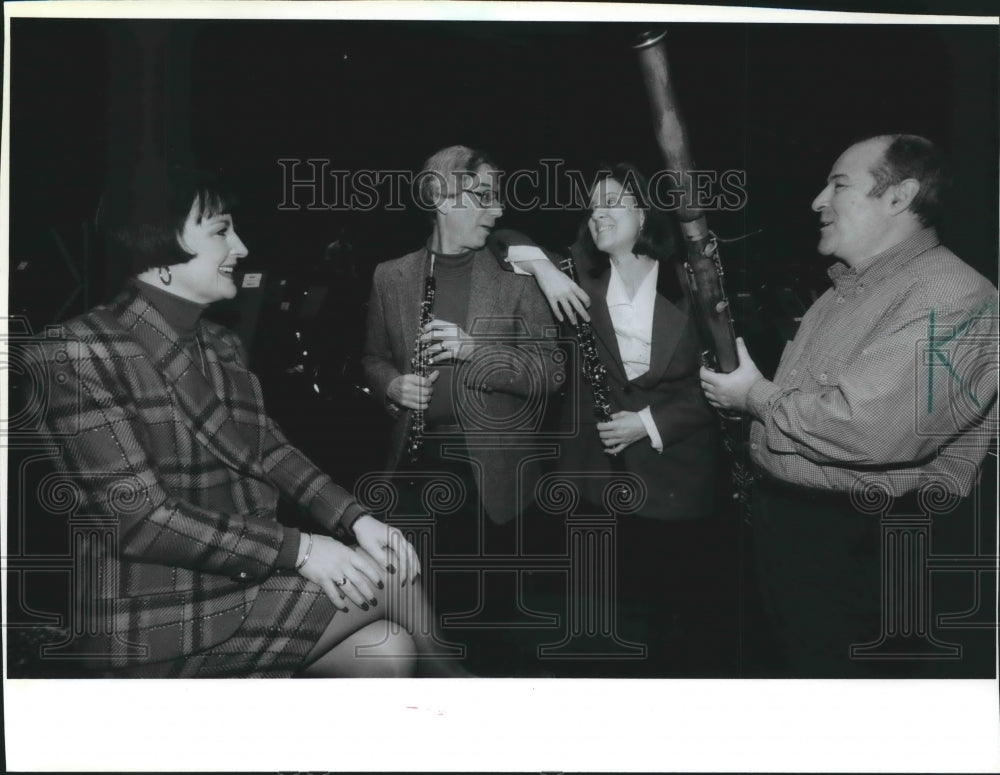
887 262
645 294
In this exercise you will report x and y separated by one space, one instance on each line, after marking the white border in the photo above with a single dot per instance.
497 725
911 726
461 10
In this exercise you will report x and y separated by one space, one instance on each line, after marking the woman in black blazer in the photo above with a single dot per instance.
662 434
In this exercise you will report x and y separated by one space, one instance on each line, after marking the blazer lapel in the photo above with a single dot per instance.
668 325
202 411
604 329
411 293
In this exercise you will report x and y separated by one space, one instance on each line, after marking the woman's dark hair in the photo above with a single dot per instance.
658 236
143 211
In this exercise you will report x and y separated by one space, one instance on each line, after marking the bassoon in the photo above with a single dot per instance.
701 274
702 266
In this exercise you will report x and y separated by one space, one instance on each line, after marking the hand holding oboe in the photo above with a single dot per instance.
412 391
444 341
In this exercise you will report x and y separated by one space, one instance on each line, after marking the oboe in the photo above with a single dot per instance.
419 364
594 371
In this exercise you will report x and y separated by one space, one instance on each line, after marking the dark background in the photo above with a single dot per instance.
779 102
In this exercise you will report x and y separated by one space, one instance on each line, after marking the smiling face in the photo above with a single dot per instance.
468 214
615 218
215 248
853 224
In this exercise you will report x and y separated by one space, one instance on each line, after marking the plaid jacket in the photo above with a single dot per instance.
179 474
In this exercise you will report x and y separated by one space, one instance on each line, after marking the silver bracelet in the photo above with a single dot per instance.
305 557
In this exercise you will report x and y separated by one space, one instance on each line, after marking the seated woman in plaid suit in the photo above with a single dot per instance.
163 430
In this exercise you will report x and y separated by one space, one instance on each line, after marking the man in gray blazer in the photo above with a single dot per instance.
491 360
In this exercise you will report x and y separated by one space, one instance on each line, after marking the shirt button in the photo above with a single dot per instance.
753 445
793 372
840 300
822 377
241 575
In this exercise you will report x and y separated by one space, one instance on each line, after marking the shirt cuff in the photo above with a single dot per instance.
762 393
518 253
646 415
289 551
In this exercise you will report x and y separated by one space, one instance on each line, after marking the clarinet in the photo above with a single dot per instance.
594 371
419 363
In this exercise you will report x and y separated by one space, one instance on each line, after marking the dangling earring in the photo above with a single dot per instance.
165 280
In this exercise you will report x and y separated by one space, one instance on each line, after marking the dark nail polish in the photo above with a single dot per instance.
391 568
375 601
365 606
381 585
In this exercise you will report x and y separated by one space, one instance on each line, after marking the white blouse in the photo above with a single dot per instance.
633 323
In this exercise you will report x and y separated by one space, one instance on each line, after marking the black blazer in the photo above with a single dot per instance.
680 482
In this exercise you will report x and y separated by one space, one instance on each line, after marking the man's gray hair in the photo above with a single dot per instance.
443 172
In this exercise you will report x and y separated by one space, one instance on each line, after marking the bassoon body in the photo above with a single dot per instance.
702 271
701 274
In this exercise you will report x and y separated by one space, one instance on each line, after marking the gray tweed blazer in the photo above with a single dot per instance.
502 392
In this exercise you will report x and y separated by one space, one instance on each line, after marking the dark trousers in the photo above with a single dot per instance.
678 588
832 577
462 533
818 567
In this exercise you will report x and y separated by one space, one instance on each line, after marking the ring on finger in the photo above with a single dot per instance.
340 583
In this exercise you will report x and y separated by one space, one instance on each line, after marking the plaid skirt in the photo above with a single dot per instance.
284 623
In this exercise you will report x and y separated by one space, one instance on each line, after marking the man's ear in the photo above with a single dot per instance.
902 194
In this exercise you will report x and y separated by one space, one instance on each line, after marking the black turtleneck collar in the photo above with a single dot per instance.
181 314
450 260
